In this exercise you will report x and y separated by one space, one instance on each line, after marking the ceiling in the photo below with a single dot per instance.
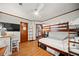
46 11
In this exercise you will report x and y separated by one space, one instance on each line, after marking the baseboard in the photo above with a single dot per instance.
31 40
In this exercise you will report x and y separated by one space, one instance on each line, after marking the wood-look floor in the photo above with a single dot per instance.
31 49
2 50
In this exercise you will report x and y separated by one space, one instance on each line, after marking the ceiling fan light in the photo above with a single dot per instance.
36 13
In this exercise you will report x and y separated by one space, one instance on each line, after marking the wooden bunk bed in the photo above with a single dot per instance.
62 27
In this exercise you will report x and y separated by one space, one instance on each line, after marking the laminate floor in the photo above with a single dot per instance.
31 49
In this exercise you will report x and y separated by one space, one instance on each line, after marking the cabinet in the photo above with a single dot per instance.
5 41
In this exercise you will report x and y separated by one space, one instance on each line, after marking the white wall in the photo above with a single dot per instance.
68 17
75 22
10 19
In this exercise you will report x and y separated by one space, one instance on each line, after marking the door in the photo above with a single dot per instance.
39 28
24 32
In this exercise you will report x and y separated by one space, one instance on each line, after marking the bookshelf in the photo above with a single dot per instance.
30 32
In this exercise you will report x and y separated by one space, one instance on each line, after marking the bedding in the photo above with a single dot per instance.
59 44
58 35
54 43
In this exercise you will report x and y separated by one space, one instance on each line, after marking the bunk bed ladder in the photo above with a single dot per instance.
74 42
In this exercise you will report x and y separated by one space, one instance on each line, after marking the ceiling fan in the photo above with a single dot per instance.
38 9
20 4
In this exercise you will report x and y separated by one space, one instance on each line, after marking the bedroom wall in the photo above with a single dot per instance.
10 19
67 17
75 22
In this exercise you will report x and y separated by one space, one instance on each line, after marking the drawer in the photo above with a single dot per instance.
7 41
2 43
43 46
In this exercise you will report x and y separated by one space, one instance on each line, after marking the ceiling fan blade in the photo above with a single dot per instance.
40 7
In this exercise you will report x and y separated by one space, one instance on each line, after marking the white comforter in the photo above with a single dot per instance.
59 44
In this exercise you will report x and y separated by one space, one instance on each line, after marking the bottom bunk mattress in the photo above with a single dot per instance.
59 44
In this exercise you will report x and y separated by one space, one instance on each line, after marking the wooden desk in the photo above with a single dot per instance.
2 50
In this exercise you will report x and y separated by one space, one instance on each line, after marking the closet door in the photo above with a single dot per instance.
24 31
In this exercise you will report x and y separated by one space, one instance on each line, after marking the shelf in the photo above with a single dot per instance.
62 27
74 42
66 23
72 33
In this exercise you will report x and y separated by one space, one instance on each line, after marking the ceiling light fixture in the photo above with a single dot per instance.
36 13
40 7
